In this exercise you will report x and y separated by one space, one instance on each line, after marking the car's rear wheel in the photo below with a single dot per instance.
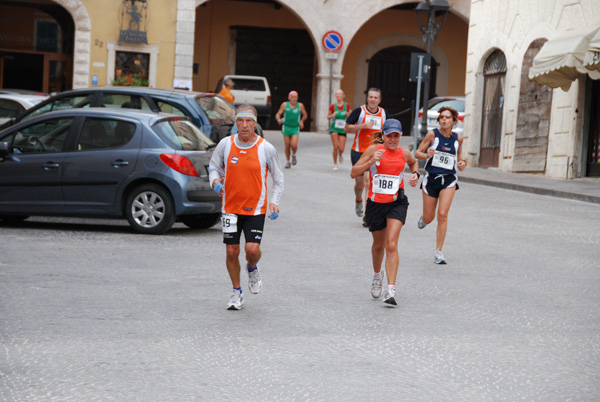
149 209
12 219
202 221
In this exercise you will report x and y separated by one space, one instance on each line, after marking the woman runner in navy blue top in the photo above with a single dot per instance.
442 149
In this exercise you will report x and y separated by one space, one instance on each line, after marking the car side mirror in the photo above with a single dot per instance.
4 150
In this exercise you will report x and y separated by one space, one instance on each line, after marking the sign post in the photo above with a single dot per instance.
417 74
332 43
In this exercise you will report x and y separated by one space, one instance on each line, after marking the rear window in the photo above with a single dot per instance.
218 110
456 104
66 102
182 135
124 101
246 84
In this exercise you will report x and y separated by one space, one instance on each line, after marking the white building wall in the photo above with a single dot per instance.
511 26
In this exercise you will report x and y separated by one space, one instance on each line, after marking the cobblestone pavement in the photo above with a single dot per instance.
91 312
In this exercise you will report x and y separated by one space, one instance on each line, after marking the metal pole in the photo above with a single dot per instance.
330 84
330 79
427 68
419 77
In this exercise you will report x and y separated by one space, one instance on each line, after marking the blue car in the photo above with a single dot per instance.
208 111
150 168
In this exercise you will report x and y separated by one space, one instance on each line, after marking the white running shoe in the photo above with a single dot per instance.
254 280
294 159
288 165
377 286
390 296
438 257
359 209
421 224
334 167
236 301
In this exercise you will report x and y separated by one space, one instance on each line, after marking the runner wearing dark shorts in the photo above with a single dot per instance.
387 205
442 150
364 121
238 172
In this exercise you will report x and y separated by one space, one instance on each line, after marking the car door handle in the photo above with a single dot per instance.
119 163
50 165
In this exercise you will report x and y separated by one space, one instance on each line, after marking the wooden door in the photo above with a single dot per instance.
493 104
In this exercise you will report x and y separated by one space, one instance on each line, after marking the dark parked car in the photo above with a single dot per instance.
210 112
150 168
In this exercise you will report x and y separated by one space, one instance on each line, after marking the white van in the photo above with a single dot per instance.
253 90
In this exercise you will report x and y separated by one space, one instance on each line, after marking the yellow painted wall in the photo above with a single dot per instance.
160 30
211 44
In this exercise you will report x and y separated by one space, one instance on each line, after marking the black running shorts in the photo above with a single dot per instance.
354 156
432 184
252 225
377 214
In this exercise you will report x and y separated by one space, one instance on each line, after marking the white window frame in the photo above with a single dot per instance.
114 47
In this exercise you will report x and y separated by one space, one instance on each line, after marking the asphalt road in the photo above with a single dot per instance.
91 312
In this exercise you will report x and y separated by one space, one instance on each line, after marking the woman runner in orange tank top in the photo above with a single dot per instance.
386 205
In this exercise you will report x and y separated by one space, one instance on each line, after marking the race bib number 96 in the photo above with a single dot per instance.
386 184
443 160
229 223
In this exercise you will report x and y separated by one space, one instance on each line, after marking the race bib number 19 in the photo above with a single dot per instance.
443 160
386 184
229 223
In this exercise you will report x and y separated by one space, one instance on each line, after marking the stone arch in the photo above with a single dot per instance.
82 43
362 69
473 133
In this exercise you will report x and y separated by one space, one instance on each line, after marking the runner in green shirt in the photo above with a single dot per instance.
291 115
338 113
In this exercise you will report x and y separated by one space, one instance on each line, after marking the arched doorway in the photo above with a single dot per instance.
36 49
533 119
494 73
593 148
389 70
264 38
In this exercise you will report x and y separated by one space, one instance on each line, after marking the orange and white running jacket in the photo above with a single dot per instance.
245 168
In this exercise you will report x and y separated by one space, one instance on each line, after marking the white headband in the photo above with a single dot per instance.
245 114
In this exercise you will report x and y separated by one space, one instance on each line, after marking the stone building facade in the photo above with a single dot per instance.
194 42
512 122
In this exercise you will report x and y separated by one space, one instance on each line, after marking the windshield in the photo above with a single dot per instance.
182 135
218 110
456 104
248 84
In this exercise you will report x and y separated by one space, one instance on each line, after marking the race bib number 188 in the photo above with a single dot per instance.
386 184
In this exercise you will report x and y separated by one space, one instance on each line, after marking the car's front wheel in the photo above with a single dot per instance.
202 221
149 209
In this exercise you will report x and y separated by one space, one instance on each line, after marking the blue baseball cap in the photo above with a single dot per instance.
392 126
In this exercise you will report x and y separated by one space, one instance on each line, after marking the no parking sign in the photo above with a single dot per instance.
332 41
